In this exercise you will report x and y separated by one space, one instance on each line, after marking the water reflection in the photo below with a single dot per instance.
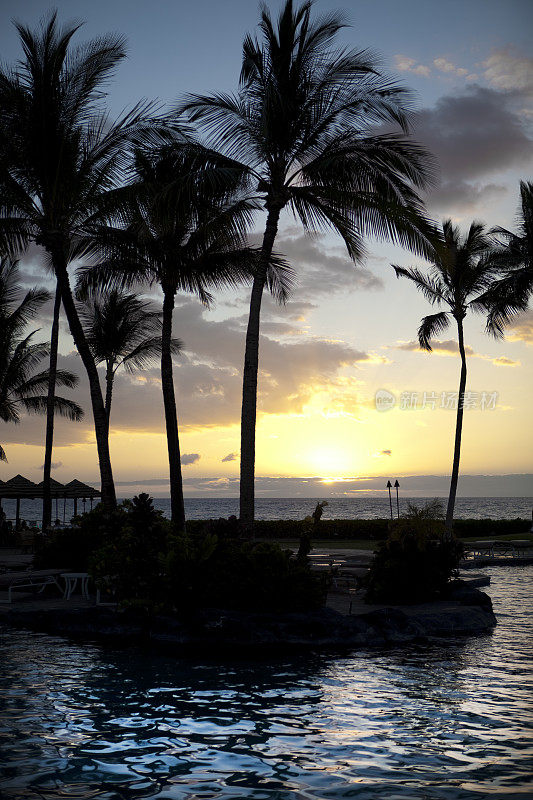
449 720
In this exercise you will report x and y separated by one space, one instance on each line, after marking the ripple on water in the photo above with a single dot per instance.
449 721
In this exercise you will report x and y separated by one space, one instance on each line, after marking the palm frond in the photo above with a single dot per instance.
430 327
62 407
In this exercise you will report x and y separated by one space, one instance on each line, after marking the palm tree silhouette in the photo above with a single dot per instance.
60 155
301 125
514 254
461 278
21 386
122 331
182 226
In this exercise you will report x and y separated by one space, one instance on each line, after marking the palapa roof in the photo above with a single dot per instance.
56 489
76 488
18 486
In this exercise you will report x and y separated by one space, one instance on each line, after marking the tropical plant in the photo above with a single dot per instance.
514 253
60 154
304 126
122 331
21 385
182 226
460 279
416 562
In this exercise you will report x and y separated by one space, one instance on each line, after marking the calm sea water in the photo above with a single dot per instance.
446 721
298 508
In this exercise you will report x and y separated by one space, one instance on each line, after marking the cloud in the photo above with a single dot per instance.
521 330
385 453
474 135
517 485
53 465
509 71
190 458
447 347
322 270
230 457
451 347
503 361
443 65
406 64
208 381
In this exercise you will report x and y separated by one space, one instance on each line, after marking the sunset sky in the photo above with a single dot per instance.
348 331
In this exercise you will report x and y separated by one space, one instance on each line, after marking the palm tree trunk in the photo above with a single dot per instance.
249 378
458 433
109 376
49 441
177 506
109 500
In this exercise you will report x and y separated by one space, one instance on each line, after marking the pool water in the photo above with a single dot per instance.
447 720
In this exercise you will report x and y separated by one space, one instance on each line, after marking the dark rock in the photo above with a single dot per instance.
218 630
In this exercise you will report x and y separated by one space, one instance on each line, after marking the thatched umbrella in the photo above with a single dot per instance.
16 488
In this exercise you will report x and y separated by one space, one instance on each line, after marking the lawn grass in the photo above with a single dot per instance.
371 545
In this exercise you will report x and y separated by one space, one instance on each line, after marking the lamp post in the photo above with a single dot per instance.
389 487
397 486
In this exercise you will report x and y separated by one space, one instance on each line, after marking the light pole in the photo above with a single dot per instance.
397 486
389 487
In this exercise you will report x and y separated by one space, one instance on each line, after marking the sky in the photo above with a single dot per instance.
346 398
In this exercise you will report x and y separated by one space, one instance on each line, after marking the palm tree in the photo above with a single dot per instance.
182 227
514 253
461 279
21 386
50 414
60 155
122 331
303 126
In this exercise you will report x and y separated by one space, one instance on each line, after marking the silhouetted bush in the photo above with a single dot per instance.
72 548
371 529
415 563
348 529
149 565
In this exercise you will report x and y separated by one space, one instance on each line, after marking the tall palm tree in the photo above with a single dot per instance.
303 124
50 414
460 280
182 227
60 155
514 253
21 386
122 331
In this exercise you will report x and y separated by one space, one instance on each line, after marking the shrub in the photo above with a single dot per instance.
72 548
130 553
415 563
150 565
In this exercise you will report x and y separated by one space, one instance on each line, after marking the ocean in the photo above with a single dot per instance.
298 508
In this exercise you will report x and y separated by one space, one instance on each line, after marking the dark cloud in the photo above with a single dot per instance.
473 135
190 458
516 485
445 347
53 465
450 347
321 269
230 457
208 380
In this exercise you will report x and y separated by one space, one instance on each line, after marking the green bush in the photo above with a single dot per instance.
415 563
